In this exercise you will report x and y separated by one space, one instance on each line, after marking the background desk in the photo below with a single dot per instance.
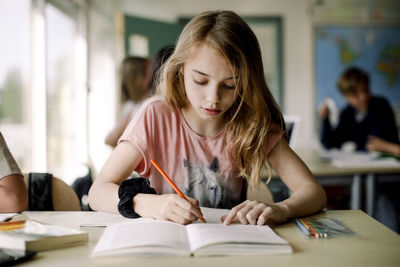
375 245
327 174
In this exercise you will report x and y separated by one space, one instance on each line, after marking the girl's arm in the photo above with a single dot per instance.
13 193
307 195
103 194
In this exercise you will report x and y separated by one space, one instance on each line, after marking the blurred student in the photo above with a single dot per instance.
161 57
134 89
364 115
13 193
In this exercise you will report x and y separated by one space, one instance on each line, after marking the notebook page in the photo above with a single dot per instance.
140 234
212 215
5 216
201 235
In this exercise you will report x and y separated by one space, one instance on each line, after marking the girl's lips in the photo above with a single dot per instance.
211 112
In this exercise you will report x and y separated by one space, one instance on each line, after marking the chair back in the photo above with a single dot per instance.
48 193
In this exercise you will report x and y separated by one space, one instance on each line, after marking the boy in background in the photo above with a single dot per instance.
369 122
364 116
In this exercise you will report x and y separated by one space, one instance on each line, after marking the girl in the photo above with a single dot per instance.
213 131
135 74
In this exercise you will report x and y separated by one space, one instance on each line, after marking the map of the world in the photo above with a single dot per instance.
376 50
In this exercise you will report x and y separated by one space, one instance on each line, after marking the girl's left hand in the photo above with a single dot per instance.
255 212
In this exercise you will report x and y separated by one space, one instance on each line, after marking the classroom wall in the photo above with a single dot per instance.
298 18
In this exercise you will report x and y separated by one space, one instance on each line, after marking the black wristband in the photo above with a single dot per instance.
127 191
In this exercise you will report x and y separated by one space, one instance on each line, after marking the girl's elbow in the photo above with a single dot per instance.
15 202
322 198
22 204
92 197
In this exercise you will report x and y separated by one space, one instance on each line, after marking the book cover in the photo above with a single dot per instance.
37 236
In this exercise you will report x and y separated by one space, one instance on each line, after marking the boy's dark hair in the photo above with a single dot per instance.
351 79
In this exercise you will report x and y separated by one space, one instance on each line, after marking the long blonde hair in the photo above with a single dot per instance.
255 114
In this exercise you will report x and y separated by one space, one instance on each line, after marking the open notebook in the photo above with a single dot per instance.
147 237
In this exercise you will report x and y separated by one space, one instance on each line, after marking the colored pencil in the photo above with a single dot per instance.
321 231
302 228
171 183
310 228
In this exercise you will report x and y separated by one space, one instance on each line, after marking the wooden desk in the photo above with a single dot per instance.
327 173
375 245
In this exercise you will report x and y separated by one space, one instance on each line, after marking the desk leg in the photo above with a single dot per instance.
356 192
370 192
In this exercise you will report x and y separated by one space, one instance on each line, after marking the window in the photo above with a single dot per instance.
43 95
65 90
14 79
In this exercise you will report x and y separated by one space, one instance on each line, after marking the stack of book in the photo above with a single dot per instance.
31 235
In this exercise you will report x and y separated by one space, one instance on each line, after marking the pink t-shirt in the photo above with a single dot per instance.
198 165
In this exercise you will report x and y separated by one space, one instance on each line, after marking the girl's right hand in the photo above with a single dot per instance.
170 207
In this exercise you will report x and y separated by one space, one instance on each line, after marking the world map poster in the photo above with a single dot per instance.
375 49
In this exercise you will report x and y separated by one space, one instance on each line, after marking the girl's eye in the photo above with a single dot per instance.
227 86
200 82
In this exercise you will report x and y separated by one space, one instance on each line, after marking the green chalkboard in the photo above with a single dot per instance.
158 33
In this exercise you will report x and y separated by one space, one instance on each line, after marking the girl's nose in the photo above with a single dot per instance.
213 94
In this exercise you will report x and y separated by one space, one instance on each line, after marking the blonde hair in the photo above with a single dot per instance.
134 71
255 114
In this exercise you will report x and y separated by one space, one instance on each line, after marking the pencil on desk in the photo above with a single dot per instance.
172 183
309 227
302 228
320 230
8 226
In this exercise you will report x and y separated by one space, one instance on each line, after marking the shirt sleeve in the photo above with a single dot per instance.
8 165
140 132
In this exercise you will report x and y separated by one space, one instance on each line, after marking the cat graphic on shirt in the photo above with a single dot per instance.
203 183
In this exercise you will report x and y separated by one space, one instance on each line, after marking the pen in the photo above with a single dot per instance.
172 183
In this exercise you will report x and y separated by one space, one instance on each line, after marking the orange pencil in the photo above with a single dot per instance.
8 226
171 183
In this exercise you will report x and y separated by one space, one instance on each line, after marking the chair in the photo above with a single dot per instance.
48 193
